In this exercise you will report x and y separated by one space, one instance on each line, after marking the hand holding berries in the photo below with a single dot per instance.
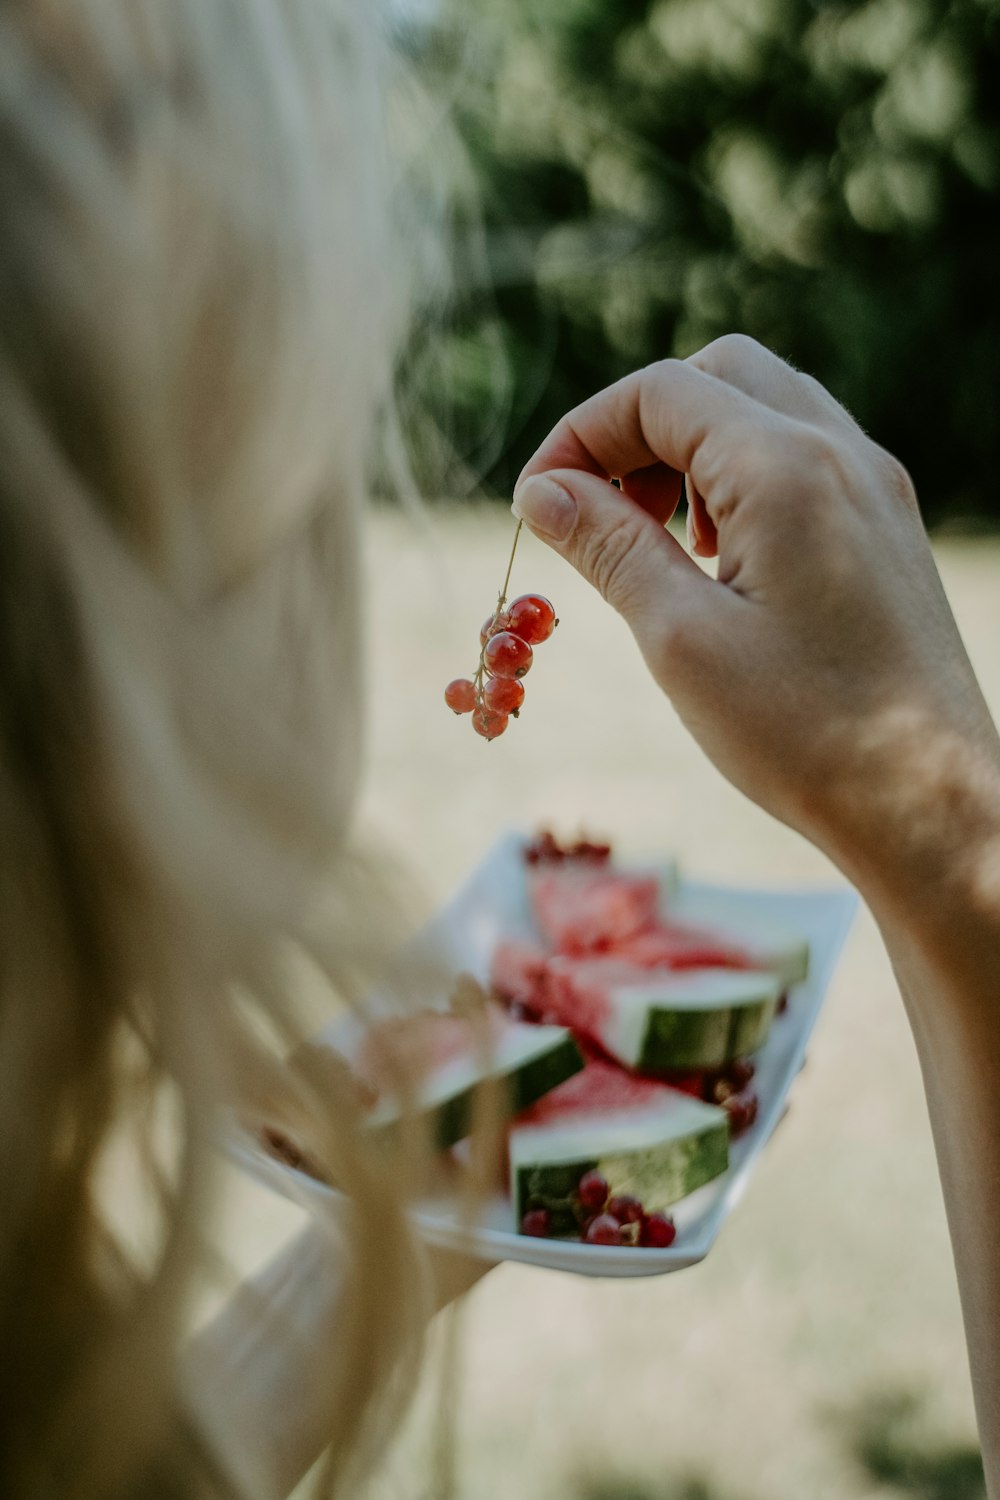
495 692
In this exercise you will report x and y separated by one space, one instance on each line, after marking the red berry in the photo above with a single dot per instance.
537 1222
597 854
506 655
503 694
532 618
491 626
742 1111
460 695
658 1231
592 1191
543 850
740 1072
625 1209
489 724
604 1230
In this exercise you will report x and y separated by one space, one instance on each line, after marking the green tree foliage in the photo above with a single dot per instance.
649 174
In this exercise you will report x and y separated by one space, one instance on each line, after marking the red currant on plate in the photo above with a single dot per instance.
506 655
740 1072
604 1230
658 1231
537 1222
742 1111
626 1209
532 617
592 1191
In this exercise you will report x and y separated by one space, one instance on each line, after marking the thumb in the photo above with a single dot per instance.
629 557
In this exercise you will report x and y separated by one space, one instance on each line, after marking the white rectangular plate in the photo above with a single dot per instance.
493 904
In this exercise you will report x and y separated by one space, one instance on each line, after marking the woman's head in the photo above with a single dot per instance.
196 333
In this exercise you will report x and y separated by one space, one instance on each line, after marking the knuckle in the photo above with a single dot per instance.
727 354
727 462
814 457
649 374
812 388
825 403
816 390
801 467
898 480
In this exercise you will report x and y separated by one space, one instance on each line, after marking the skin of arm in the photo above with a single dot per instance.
823 673
255 1381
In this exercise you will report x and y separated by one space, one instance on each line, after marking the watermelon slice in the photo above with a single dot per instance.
764 943
517 973
443 1057
658 1021
646 1139
683 945
580 906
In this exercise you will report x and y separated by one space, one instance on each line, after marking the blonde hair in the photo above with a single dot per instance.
198 314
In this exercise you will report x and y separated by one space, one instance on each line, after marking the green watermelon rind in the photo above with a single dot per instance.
526 1085
451 1117
659 1175
693 1039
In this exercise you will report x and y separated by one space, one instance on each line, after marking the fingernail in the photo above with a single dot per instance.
546 506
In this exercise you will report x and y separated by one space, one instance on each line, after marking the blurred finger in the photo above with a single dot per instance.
659 415
741 362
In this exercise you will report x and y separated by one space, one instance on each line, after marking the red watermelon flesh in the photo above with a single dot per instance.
657 1019
600 1088
409 1046
579 908
577 990
566 991
517 973
674 945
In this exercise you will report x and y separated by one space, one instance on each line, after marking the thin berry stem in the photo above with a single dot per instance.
501 601
510 565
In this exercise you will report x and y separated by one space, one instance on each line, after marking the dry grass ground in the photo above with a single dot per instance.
781 1368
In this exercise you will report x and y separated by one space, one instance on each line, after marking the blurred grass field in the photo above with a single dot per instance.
818 1352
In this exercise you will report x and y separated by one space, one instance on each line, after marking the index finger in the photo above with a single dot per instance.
662 414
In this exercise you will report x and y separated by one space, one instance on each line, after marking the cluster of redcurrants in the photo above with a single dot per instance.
505 655
545 849
606 1220
728 1086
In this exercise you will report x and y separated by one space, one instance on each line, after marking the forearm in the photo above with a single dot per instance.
938 906
960 1059
257 1380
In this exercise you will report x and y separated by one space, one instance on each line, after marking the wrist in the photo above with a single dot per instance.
916 827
